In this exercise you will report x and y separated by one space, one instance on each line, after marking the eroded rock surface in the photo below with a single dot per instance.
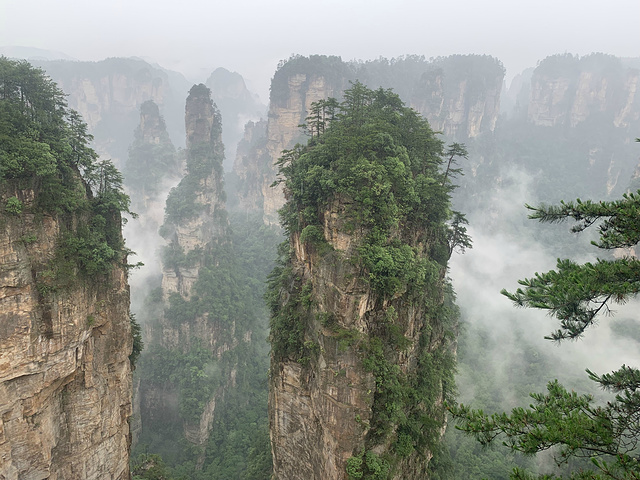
65 377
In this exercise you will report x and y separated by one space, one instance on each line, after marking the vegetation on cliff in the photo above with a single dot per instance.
152 156
64 290
45 149
384 165
215 360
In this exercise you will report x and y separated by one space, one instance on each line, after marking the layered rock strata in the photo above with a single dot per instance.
569 90
361 339
65 377
458 95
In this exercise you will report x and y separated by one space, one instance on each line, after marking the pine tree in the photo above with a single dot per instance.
577 294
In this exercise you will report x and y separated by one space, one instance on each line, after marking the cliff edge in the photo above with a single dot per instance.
65 334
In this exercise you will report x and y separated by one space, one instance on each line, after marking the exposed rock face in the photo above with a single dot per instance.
152 167
283 128
354 384
203 186
251 157
152 128
195 227
65 378
108 94
568 90
321 414
459 95
237 106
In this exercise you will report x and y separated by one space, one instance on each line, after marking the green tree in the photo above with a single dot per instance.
383 165
149 467
321 114
576 294
44 148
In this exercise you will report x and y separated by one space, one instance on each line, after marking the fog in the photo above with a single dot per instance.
502 254
195 37
250 37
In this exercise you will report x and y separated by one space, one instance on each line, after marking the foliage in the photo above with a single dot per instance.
13 206
332 68
228 293
573 425
45 147
383 161
203 160
149 467
284 299
576 294
369 465
382 166
138 344
193 374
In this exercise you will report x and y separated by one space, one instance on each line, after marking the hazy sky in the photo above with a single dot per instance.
251 36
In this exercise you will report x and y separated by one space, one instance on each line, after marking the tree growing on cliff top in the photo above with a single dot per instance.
377 167
44 147
571 424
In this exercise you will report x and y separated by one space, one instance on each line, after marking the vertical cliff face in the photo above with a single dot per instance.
195 213
108 94
361 339
295 86
237 106
65 335
569 90
191 363
65 378
459 95
283 129
152 166
249 164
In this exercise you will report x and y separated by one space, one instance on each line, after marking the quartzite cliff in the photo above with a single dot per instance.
361 335
65 335
458 95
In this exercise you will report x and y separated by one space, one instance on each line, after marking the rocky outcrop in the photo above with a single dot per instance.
322 414
65 377
283 129
151 168
354 385
188 331
458 95
251 158
237 106
569 90
190 230
295 86
108 94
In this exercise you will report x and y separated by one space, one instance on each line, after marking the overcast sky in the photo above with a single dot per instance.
251 36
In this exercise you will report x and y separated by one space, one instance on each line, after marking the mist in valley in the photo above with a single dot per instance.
202 383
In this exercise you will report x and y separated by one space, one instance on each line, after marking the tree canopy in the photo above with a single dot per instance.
569 424
45 148
377 169
384 161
